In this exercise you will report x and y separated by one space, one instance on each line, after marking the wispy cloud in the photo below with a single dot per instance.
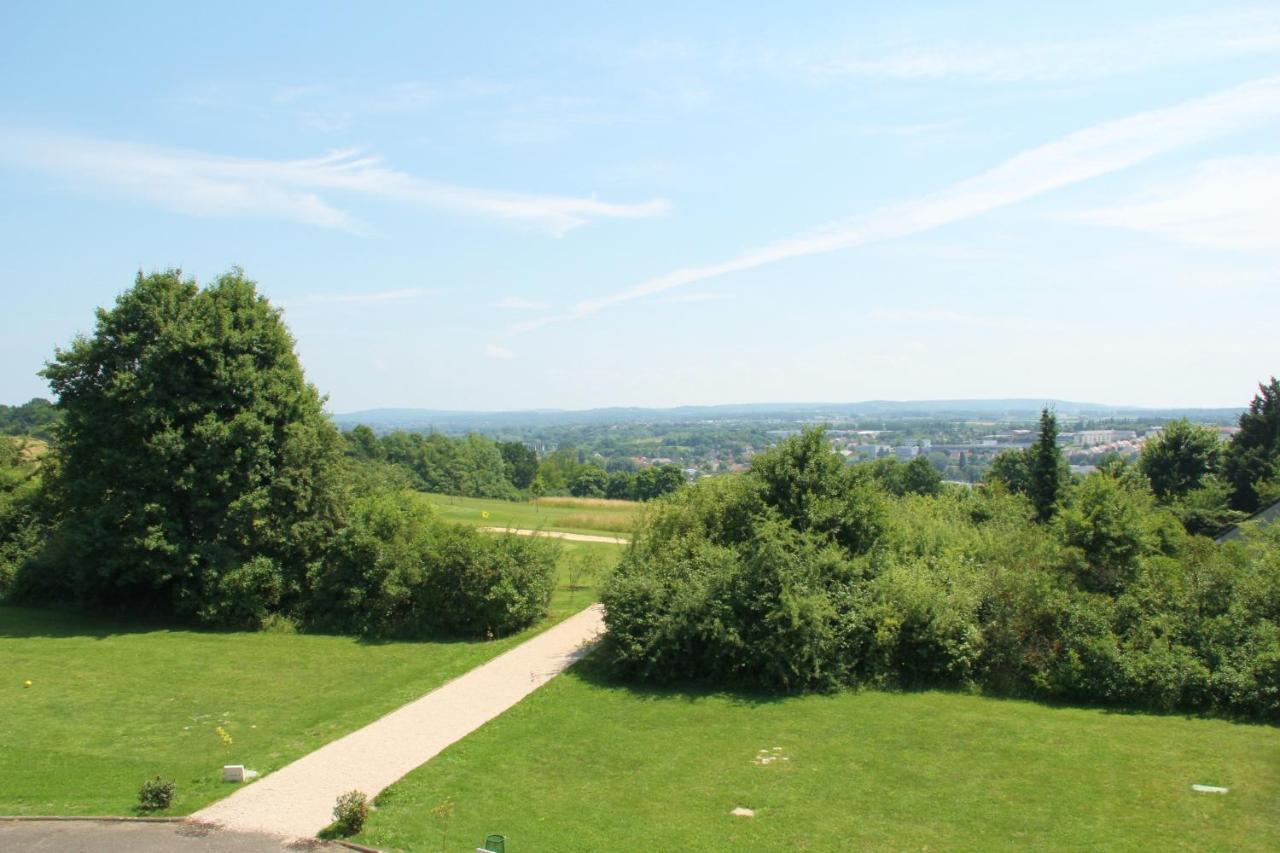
499 353
701 296
519 303
363 298
1079 156
1175 41
204 184
1230 203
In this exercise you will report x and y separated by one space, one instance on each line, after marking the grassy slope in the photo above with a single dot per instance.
605 519
586 765
113 704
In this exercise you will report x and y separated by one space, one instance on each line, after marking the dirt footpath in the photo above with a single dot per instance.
556 534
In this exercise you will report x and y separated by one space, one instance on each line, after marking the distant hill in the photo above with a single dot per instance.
1007 409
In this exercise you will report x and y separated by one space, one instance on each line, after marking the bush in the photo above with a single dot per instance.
156 794
396 571
350 812
755 581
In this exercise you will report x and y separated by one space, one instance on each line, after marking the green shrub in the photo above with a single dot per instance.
754 581
396 571
156 794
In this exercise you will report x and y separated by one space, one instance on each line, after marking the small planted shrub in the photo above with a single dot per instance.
155 794
350 811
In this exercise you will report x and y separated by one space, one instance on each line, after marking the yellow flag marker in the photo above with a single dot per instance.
484 513
27 683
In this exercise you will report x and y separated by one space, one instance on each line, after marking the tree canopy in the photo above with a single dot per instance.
1180 458
1253 458
196 468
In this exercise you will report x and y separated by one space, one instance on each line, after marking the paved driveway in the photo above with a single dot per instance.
82 836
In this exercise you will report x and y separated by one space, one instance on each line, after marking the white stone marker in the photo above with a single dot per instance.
233 773
1208 789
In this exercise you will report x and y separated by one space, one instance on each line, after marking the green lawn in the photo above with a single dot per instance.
113 703
603 518
587 765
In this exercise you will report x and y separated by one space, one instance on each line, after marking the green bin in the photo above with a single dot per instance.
495 844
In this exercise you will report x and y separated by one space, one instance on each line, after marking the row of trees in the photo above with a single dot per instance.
477 466
34 418
807 574
194 473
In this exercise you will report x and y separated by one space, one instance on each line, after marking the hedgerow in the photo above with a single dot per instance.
828 582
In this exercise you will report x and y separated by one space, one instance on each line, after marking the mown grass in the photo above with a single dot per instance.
572 515
584 764
113 703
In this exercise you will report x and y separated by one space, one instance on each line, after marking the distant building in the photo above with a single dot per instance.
1094 437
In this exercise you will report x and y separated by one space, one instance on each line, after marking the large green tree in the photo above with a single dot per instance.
1253 458
1178 460
197 472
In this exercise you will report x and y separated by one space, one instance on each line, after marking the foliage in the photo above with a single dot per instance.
1252 464
1178 460
1039 472
36 418
1206 511
917 477
589 481
350 812
156 794
520 463
22 513
740 576
194 461
395 571
470 465
754 581
1046 474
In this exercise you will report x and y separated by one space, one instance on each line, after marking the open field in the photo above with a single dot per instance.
588 765
113 703
574 515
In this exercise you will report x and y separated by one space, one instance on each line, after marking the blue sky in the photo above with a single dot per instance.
557 205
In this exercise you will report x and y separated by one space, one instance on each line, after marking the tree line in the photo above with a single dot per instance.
475 465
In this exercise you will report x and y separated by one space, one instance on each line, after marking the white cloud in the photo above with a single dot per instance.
1230 203
211 185
1079 156
1165 43
519 303
498 352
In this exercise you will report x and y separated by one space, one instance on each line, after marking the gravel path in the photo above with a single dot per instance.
297 800
556 534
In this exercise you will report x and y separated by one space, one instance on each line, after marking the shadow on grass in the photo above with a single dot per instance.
595 671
